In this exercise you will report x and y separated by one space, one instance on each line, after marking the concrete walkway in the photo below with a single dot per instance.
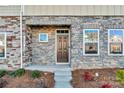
62 74
63 78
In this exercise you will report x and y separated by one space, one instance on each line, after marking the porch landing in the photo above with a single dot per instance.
50 68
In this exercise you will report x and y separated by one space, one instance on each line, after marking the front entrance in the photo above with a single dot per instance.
62 44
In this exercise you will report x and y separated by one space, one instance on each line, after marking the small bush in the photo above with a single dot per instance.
17 73
87 76
106 85
12 74
35 74
120 76
2 73
20 72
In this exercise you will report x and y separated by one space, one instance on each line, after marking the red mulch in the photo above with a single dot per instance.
47 79
106 76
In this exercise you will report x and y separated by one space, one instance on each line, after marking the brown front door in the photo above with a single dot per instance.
62 48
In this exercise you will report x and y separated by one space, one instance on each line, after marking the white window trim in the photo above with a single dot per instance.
47 37
92 42
5 44
109 42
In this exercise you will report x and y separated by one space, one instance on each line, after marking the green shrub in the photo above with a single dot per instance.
17 73
2 73
12 74
35 74
120 76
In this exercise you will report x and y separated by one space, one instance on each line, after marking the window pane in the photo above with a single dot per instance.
66 31
116 48
91 35
58 31
116 35
2 45
91 48
43 37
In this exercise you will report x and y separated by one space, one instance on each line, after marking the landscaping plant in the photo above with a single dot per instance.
120 76
12 73
2 73
20 72
17 73
35 74
88 76
106 85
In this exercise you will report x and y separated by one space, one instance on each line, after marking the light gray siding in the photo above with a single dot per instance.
75 10
63 10
10 10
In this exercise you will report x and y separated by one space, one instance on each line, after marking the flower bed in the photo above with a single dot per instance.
95 78
26 80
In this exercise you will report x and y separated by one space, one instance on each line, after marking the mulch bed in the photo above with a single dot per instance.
105 76
45 81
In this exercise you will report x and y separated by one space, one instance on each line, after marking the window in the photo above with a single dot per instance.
43 37
91 41
2 45
115 42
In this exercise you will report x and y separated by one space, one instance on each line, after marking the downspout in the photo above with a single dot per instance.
21 14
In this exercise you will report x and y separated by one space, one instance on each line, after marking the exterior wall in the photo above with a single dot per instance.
27 43
73 10
27 50
78 60
41 53
11 26
10 10
47 49
63 10
79 17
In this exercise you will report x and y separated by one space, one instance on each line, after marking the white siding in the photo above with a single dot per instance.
118 10
74 10
51 10
90 10
122 10
64 10
10 10
83 10
97 10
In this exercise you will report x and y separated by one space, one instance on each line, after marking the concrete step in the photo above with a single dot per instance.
62 73
62 78
62 69
62 84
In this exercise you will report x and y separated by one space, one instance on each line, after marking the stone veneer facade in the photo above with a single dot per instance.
11 26
38 53
77 24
